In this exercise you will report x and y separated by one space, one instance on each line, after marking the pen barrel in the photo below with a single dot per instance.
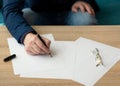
9 58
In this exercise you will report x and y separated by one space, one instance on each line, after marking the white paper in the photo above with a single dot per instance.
62 52
58 73
64 72
19 50
85 68
71 60
49 36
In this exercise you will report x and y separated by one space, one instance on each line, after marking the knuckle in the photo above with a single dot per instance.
48 41
34 38
41 45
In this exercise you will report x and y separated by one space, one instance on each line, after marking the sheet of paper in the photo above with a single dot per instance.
85 70
49 36
58 73
65 72
62 52
71 60
18 49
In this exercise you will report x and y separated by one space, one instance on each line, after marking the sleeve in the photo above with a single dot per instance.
14 20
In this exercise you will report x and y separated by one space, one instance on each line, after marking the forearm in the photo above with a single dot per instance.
13 18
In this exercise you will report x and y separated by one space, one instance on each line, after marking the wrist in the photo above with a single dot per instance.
24 35
27 37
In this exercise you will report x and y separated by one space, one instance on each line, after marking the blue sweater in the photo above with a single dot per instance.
13 16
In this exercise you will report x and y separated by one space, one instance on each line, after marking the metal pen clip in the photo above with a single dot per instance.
98 58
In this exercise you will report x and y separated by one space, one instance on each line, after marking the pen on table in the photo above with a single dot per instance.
9 58
44 43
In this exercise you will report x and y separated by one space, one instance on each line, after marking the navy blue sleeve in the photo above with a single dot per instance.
14 20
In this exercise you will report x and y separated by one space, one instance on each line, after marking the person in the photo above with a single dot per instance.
44 12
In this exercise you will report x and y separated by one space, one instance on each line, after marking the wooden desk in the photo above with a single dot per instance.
106 34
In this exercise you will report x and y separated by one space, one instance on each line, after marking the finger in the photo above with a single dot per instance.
36 48
48 44
82 8
45 49
42 46
42 52
74 9
88 9
30 52
93 12
34 51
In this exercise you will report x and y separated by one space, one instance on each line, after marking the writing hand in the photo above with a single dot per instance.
34 46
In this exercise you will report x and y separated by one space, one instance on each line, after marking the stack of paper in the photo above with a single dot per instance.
71 60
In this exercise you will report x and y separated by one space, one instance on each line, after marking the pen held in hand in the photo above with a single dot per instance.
44 43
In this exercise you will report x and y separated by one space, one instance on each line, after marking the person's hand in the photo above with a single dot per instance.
83 6
34 46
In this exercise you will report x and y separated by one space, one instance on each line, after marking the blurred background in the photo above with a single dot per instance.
109 13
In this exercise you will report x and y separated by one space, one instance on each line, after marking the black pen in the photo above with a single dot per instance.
44 43
9 58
